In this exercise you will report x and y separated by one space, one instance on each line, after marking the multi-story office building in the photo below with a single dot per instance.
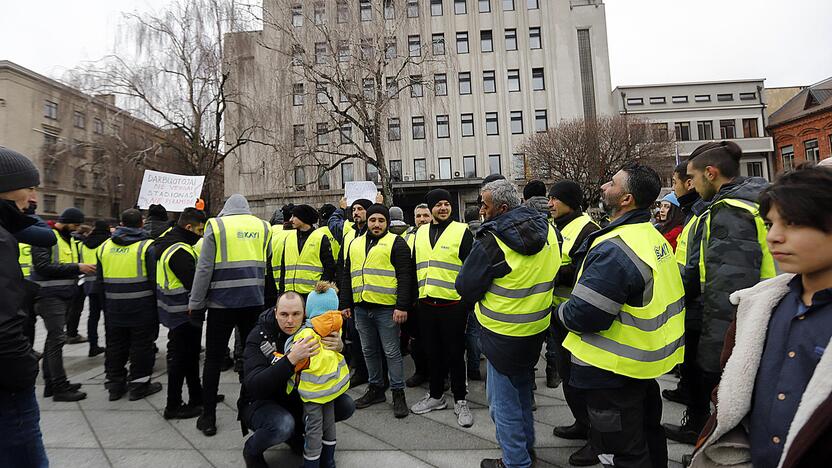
483 76
91 154
706 111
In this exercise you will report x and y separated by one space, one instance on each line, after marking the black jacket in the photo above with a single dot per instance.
692 205
17 362
400 257
43 266
325 254
181 263
155 226
567 273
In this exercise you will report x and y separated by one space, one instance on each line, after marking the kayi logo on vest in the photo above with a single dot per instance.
662 252
248 235
119 250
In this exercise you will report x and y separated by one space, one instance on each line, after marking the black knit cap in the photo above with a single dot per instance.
568 192
378 208
286 210
363 202
16 171
157 212
326 211
305 213
437 195
71 216
535 188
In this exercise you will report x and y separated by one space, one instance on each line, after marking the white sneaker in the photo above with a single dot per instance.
463 414
428 404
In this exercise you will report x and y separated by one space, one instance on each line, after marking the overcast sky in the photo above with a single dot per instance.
788 42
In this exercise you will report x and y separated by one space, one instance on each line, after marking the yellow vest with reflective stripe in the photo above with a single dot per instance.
349 236
334 246
198 246
87 255
570 234
277 243
123 270
303 269
327 376
648 341
437 267
372 274
767 269
25 259
62 252
682 241
239 276
171 293
410 237
520 303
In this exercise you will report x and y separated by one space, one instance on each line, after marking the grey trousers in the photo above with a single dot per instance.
319 420
53 311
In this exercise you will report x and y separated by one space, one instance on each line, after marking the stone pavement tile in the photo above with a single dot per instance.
66 429
455 458
98 399
375 458
75 457
144 458
556 456
47 404
350 438
135 430
414 432
225 458
228 435
158 401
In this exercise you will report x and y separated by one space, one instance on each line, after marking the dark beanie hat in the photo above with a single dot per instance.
363 202
326 211
287 211
378 208
535 188
305 213
157 212
491 178
16 171
568 192
71 216
437 195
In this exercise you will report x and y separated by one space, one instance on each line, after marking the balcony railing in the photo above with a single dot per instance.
748 145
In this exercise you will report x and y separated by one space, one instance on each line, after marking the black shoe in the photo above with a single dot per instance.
255 461
66 393
553 380
474 374
414 381
227 363
144 390
77 339
688 431
492 463
358 379
48 391
183 412
117 393
573 432
372 396
678 395
95 351
207 423
583 457
400 409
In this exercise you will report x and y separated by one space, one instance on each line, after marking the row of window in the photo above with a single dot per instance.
50 205
365 9
79 119
705 129
416 84
417 125
811 151
727 97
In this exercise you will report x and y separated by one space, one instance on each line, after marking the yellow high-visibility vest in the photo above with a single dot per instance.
63 252
327 376
25 259
171 294
570 234
123 270
372 274
303 269
437 267
239 276
277 243
334 245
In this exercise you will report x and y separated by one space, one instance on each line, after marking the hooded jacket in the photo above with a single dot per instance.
156 227
733 259
134 312
525 231
181 263
541 204
398 227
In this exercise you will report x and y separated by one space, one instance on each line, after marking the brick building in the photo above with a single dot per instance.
802 128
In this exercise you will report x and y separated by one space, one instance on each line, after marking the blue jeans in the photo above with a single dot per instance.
21 442
510 406
473 349
380 333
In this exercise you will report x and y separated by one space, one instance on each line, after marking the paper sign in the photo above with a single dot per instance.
173 191
357 190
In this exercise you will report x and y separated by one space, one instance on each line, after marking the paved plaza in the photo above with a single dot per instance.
97 433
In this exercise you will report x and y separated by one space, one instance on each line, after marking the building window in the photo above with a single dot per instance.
322 131
659 130
724 97
347 173
369 86
508 5
50 110
436 7
366 10
516 118
320 53
519 166
749 128
460 7
485 6
49 202
812 150
79 120
298 135
538 79
511 39
494 166
754 169
489 82
412 12
368 130
80 203
343 17
443 127
702 98
321 94
396 170
320 13
541 120
465 83
346 134
486 41
323 178
297 16
297 94
491 125
414 46
438 40
705 128
390 51
682 131
658 100
97 126
587 73
343 51
420 169
748 96
727 129
98 207
513 80
469 166
462 42
535 41
389 10
300 176
444 168
635 101
787 152
372 172
80 177
392 87
533 4
679 99
440 84
418 124
467 124
417 90
367 48
297 55
394 129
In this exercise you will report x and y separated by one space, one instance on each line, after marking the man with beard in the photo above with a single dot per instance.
306 257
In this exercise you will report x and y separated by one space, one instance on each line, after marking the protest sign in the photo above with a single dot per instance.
357 190
173 191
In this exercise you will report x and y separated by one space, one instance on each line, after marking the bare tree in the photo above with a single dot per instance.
353 61
590 152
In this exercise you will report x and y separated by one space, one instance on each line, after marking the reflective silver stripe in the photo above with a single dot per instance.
355 273
438 264
561 319
629 352
173 292
174 309
596 299
378 272
643 268
421 265
312 268
123 280
53 283
437 283
130 295
514 318
322 379
237 283
223 241
578 362
164 260
241 264
323 393
140 259
520 293
378 289
653 324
